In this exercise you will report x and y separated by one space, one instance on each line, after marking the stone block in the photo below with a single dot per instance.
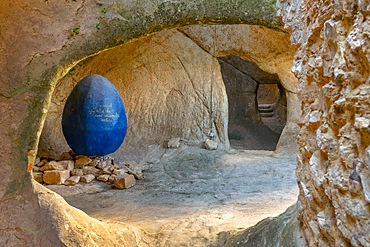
94 163
103 164
92 170
136 170
55 176
66 156
41 163
38 176
83 161
79 156
72 180
77 172
87 178
37 160
36 169
67 164
52 165
112 178
211 145
119 172
47 156
173 143
124 182
108 170
103 178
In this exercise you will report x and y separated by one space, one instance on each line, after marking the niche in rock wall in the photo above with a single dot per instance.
164 81
257 104
172 86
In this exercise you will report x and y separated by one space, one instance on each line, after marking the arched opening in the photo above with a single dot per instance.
170 84
257 104
43 56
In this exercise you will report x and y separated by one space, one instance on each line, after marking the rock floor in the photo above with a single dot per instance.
255 136
192 194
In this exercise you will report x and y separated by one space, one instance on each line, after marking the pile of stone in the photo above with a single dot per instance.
208 144
73 169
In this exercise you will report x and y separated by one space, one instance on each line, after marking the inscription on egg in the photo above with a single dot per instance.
94 118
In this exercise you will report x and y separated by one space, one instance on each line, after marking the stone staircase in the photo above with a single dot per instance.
269 117
266 110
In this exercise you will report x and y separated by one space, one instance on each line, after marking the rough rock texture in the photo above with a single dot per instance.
72 180
124 182
40 42
56 176
87 178
268 49
332 64
170 83
193 194
257 104
164 81
64 226
211 145
243 79
52 165
283 230
174 143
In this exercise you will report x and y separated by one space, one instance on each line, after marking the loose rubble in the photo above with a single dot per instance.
174 143
72 169
211 145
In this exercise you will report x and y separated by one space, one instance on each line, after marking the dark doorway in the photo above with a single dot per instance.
257 104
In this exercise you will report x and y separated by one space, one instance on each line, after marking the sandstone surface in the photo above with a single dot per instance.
172 84
124 182
87 178
211 145
193 194
282 230
42 41
73 180
332 166
52 165
81 162
173 143
55 176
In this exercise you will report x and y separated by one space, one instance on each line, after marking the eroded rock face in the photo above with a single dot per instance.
268 49
333 165
283 230
170 83
37 48
165 83
39 45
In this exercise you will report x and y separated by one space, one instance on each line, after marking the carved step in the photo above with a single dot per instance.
267 110
266 115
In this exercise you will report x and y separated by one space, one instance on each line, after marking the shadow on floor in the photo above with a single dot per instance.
253 136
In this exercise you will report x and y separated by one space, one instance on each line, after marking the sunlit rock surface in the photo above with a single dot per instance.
40 42
170 84
332 64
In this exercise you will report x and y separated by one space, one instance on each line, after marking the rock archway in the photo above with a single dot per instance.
257 104
41 42
173 87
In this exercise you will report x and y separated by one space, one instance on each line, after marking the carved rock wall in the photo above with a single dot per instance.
36 50
39 44
165 83
332 64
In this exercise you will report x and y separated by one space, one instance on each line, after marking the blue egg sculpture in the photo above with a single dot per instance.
94 120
